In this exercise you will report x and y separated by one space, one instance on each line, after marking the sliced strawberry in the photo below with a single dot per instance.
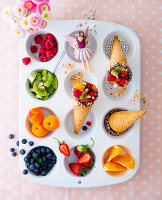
89 164
85 158
77 169
63 147
89 85
78 153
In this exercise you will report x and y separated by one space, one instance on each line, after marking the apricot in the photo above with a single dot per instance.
50 122
38 130
35 116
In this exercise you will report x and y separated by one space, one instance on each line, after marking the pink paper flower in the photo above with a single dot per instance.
20 32
43 7
14 22
34 20
24 23
19 10
7 13
30 6
46 15
32 30
44 24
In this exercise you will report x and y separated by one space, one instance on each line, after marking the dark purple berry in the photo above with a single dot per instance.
14 154
84 128
17 143
25 171
22 151
12 149
24 141
11 136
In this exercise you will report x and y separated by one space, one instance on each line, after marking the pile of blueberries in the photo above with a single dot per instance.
40 160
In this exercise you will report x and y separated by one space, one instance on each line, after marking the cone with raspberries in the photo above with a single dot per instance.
85 95
119 73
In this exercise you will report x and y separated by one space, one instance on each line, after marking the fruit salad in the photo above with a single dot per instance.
119 74
42 84
40 160
117 160
85 93
45 46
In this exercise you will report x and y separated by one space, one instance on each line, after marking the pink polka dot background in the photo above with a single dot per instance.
143 16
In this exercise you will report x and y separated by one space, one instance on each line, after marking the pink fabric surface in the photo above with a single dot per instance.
143 16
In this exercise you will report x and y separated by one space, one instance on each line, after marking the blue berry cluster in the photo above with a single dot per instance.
40 160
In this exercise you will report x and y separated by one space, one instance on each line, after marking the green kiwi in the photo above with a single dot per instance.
55 83
39 88
83 95
47 79
114 72
50 89
118 68
31 89
45 98
44 72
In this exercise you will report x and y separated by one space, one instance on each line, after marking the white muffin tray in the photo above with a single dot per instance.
61 103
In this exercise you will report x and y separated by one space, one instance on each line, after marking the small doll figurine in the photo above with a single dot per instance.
81 45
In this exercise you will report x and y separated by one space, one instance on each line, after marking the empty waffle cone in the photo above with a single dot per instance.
117 54
80 114
120 121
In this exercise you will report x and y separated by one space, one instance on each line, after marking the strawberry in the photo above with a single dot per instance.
89 164
77 169
78 153
89 85
77 93
63 147
92 94
85 158
124 75
111 77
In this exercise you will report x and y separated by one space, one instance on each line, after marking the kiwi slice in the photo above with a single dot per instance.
47 79
118 68
114 72
83 95
45 98
39 88
44 72
50 89
31 89
38 97
55 83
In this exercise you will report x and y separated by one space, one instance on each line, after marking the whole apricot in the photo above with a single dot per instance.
35 116
50 122
38 130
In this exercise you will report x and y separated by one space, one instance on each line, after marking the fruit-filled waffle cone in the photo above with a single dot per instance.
119 73
120 121
85 95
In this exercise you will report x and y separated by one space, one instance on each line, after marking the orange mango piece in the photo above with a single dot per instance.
114 167
125 160
114 151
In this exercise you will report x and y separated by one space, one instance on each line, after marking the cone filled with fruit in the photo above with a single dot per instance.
119 73
85 94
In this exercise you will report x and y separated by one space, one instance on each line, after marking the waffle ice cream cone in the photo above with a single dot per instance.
120 121
80 114
117 54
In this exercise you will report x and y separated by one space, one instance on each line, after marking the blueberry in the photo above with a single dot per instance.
119 75
50 166
31 143
24 141
32 167
127 77
84 128
25 171
12 149
43 173
22 151
17 143
37 164
35 155
43 150
44 167
90 89
11 136
27 164
38 151
36 170
47 150
44 158
54 157
32 161
26 159
14 154
49 156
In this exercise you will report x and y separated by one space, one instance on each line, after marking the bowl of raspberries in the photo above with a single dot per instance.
44 47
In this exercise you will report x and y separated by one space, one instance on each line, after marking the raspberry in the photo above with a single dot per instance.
54 50
92 94
76 93
43 58
49 54
55 44
122 81
111 77
124 75
37 39
34 49
88 123
88 100
43 50
49 36
89 85
26 60
49 44
42 42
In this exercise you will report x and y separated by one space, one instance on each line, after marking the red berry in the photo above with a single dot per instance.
92 94
37 39
88 100
78 169
111 77
49 44
43 58
26 60
49 36
43 50
77 93
124 75
54 50
88 123
42 42
89 85
64 149
122 81
34 49
49 54
55 44
78 153
85 158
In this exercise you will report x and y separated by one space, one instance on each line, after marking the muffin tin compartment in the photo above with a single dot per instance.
69 126
61 105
